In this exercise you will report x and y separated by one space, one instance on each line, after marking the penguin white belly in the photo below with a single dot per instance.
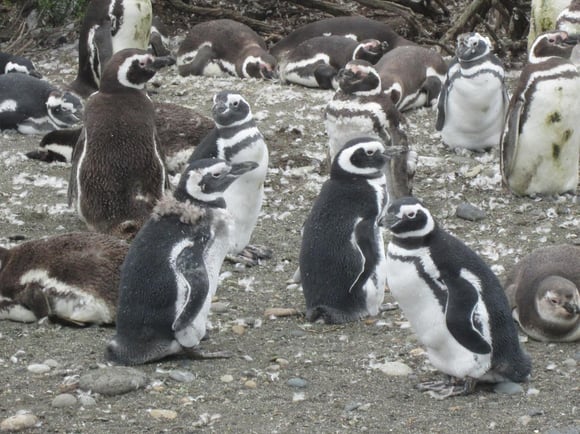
375 286
474 113
549 144
302 71
422 309
15 312
135 29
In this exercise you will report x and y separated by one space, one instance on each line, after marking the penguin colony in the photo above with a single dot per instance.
452 299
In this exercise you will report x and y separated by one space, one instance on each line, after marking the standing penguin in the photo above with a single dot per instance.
166 291
454 302
342 257
236 138
118 172
13 63
473 102
569 18
72 278
540 146
544 293
225 47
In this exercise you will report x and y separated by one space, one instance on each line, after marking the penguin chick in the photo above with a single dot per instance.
118 171
540 146
454 302
71 278
166 292
342 257
236 138
13 63
473 102
544 293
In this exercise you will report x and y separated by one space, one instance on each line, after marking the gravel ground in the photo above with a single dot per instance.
287 375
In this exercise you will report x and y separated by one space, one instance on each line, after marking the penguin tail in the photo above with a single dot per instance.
331 315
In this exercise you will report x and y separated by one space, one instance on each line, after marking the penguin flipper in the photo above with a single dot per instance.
203 57
459 314
324 74
510 139
441 105
364 234
206 148
103 41
11 119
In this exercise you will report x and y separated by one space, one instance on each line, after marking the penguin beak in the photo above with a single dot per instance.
162 62
219 107
389 220
34 73
571 308
240 168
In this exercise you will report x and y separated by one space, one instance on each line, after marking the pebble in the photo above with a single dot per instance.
532 392
282 362
114 380
297 382
159 413
577 356
551 367
571 363
250 384
393 368
219 307
524 420
238 329
470 212
38 368
181 376
508 388
227 378
51 363
298 396
87 401
64 400
275 312
18 422
351 406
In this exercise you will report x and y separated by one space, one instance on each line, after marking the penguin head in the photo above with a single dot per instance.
362 157
18 64
406 217
262 65
558 300
132 68
230 109
472 46
370 50
64 109
206 180
551 44
359 77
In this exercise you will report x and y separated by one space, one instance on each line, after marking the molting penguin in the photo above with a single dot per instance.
412 76
34 106
540 146
166 291
473 102
70 278
543 17
544 293
13 63
316 61
236 138
108 27
569 19
358 28
118 171
224 47
342 258
454 302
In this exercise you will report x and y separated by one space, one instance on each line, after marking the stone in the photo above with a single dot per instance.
219 307
159 413
87 401
18 422
250 384
275 312
238 329
115 380
508 388
64 400
181 376
38 368
297 382
470 212
394 369
227 378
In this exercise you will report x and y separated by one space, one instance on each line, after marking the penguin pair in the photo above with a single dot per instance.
316 61
225 47
540 146
544 292
71 278
166 291
236 138
13 63
454 302
34 106
473 102
118 170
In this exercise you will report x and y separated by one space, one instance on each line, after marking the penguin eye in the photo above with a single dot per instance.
216 174
57 109
411 214
371 152
553 301
552 40
236 103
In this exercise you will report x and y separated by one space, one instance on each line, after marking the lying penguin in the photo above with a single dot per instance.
71 278
13 63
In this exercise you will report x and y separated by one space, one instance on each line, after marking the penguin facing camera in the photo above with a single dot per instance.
454 302
13 63
166 292
544 292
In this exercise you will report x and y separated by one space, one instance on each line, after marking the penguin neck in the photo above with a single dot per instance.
411 243
183 197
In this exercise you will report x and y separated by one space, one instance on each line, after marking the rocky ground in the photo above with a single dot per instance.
286 375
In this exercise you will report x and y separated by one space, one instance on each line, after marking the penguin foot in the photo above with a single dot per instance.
251 255
449 388
195 353
46 156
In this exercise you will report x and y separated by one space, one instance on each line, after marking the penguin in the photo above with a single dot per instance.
13 63
544 293
225 47
316 61
354 27
473 102
569 18
236 138
159 41
412 76
165 292
540 145
34 106
543 17
118 170
454 302
342 255
108 27
70 278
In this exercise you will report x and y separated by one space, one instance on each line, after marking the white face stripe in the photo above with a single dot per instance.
124 70
247 61
195 177
185 58
11 67
231 99
345 156
532 58
368 70
407 210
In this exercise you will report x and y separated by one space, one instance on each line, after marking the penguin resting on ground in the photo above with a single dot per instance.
166 291
544 293
540 146
473 102
118 170
71 278
454 302
236 138
342 257
13 63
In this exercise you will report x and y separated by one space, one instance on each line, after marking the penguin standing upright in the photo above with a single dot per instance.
118 170
342 257
454 302
473 102
544 293
13 63
569 18
540 146
166 291
236 138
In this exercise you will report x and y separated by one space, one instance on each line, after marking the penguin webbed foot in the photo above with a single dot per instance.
196 353
251 255
448 388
